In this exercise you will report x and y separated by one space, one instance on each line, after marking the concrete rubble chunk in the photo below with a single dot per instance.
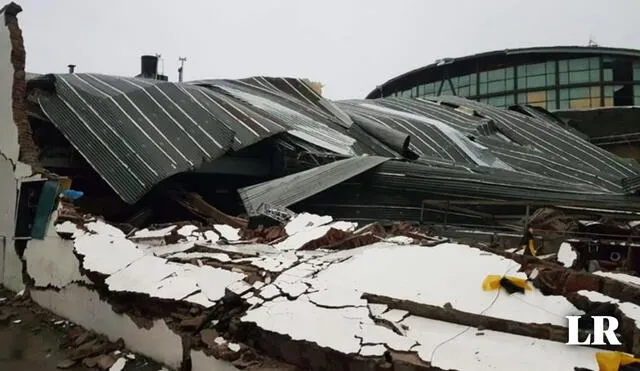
118 365
66 364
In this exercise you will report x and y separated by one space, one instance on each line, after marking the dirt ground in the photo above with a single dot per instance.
32 338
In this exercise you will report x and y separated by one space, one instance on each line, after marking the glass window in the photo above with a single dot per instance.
522 98
473 79
563 66
594 75
594 63
551 95
509 84
564 104
463 80
636 71
536 69
446 88
496 86
578 77
536 81
580 103
509 100
497 101
406 93
608 74
472 89
483 88
564 94
463 91
551 67
536 96
608 91
414 91
551 105
509 72
420 90
522 71
579 93
564 78
595 92
496 75
636 101
578 64
483 76
522 82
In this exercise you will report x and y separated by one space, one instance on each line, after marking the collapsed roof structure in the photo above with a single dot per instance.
311 293
391 158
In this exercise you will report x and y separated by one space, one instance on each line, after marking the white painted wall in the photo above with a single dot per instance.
11 170
51 261
85 308
11 265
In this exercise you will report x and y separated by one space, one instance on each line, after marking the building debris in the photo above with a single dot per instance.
204 223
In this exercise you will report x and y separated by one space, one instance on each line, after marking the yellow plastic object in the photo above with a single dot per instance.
532 247
611 361
492 282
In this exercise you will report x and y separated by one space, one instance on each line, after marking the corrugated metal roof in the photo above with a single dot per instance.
286 191
137 132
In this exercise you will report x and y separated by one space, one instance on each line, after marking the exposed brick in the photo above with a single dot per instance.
29 152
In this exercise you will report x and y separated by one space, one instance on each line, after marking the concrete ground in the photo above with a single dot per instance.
32 338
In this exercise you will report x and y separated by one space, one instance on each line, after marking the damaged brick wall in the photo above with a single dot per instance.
28 149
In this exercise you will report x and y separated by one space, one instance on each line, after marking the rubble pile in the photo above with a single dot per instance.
322 294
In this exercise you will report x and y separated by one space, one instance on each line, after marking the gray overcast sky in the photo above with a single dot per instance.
349 45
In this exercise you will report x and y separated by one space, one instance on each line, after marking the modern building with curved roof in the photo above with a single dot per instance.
555 78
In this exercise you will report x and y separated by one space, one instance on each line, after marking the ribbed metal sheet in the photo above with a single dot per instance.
286 191
137 132
528 144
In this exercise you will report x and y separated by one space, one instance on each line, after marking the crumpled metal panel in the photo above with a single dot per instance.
286 191
137 132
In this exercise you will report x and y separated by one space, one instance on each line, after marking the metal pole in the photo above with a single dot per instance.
181 69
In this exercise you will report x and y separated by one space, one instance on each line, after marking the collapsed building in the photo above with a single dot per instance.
200 222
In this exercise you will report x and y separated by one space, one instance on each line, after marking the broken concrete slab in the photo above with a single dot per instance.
449 346
106 254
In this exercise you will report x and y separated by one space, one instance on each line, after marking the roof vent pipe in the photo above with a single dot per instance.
72 68
149 66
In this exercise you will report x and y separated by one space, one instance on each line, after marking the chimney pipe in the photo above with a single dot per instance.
181 68
72 68
149 66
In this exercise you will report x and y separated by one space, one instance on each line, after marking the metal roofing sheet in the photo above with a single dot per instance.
137 132
286 191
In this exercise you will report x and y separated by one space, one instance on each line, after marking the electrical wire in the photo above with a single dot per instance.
495 299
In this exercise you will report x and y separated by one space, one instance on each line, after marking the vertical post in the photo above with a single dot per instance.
181 68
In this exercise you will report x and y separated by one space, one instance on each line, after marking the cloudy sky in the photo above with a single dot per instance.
349 45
